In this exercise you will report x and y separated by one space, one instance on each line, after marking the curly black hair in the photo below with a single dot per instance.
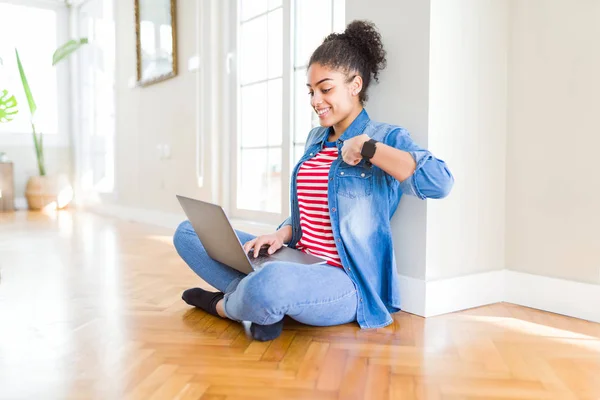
357 50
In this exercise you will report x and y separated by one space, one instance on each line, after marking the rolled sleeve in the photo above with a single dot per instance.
288 221
432 179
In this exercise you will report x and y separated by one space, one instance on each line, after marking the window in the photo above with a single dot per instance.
36 46
314 20
96 122
260 97
275 41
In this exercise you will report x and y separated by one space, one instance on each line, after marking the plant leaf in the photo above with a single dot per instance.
8 107
30 100
41 144
39 150
67 49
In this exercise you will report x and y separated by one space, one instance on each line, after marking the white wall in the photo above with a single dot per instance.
402 98
467 128
170 112
553 212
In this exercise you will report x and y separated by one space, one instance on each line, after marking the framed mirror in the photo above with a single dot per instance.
156 40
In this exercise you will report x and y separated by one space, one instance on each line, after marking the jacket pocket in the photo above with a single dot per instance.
354 182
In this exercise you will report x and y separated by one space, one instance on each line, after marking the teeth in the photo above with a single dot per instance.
323 111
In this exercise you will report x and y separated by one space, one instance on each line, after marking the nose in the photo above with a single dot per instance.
316 100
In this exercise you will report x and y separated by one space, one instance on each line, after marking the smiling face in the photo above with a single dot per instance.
333 96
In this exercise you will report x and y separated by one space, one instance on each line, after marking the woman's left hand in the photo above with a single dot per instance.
352 147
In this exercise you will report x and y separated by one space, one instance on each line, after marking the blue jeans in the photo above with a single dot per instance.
319 295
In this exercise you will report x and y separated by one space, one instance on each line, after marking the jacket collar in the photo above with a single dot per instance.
357 127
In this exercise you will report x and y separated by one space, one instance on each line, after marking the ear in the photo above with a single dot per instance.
356 85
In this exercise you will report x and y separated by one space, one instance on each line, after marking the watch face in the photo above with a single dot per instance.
368 149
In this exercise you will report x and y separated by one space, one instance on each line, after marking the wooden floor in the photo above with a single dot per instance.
90 308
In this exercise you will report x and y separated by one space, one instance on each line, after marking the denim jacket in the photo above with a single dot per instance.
362 200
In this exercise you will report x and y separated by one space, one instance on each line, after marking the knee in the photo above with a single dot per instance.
269 287
182 234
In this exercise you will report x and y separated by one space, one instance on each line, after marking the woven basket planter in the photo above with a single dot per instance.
48 192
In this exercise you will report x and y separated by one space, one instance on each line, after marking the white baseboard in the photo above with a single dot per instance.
168 220
464 292
430 298
412 295
150 217
560 296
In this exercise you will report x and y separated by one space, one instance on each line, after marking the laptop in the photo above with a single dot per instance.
222 244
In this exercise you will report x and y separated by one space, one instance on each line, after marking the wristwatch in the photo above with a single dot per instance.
368 150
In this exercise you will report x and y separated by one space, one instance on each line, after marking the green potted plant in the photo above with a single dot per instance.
44 190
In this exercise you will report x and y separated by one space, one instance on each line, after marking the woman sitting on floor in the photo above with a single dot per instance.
344 191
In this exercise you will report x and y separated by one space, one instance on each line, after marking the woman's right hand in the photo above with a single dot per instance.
272 240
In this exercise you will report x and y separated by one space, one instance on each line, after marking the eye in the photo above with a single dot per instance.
311 93
326 90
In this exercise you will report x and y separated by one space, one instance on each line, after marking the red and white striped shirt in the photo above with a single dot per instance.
312 183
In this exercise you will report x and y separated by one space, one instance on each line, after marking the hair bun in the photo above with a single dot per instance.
363 36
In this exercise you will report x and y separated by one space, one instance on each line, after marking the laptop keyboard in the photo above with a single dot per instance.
263 256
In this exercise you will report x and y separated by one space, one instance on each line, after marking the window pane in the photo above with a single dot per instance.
254 115
275 112
35 51
259 188
302 108
252 179
313 24
275 43
254 50
251 8
273 193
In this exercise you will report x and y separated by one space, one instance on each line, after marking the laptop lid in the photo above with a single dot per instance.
216 233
